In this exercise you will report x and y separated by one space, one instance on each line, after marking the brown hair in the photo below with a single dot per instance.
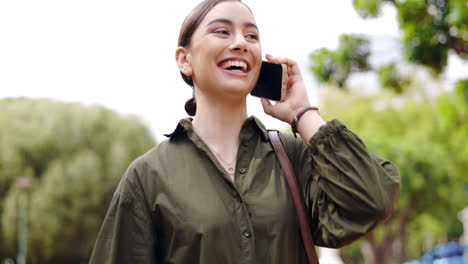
191 23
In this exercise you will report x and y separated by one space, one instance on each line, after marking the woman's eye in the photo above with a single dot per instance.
221 31
252 36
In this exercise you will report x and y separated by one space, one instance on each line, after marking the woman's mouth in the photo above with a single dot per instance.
235 65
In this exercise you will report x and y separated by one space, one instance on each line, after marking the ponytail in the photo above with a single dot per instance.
191 106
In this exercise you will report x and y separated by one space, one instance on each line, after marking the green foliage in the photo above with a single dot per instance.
76 156
453 123
335 66
390 78
367 8
431 28
324 65
461 89
424 140
425 36
456 17
351 254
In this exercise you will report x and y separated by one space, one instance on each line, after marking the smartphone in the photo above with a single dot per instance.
271 82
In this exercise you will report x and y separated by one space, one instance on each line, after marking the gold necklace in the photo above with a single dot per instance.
230 169
230 166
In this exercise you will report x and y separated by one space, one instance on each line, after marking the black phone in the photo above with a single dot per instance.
271 83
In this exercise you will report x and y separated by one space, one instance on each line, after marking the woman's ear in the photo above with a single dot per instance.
184 62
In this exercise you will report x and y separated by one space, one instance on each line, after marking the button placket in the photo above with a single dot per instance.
245 155
246 233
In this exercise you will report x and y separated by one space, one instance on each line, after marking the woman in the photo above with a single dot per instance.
213 192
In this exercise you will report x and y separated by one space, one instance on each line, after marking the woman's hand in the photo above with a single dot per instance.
296 94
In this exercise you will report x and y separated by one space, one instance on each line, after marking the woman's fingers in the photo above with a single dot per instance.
276 110
296 94
267 106
293 68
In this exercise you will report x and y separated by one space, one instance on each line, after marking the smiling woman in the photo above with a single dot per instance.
213 192
210 42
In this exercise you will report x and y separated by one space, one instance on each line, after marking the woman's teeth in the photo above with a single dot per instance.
232 65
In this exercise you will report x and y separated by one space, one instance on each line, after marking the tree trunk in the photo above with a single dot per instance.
372 251
401 248
402 235
392 248
380 252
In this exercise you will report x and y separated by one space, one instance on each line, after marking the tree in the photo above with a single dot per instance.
334 67
422 137
417 137
431 28
390 78
75 156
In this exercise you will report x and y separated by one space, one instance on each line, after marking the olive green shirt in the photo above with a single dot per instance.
177 204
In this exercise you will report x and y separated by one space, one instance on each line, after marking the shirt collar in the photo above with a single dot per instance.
185 125
259 125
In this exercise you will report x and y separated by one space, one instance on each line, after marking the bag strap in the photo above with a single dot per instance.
288 172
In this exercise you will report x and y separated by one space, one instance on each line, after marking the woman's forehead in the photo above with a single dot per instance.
230 10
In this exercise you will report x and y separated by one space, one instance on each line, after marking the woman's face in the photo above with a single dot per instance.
225 52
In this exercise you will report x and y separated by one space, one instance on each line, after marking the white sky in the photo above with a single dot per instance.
120 54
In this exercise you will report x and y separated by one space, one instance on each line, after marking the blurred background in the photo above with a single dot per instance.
88 86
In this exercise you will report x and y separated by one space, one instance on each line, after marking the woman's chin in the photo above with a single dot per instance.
240 91
230 88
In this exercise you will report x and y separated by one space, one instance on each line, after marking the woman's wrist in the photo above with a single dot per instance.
297 115
295 110
309 124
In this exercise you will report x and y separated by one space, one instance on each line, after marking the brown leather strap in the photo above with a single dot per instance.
288 172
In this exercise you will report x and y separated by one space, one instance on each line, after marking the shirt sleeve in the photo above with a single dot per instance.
347 190
126 234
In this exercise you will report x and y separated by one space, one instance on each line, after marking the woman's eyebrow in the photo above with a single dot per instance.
229 22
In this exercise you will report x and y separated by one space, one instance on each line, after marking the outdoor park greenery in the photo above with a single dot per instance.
424 138
424 132
431 29
75 156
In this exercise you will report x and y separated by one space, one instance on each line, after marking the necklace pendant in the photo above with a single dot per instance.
230 170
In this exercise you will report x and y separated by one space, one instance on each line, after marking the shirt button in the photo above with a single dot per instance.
237 197
242 170
247 234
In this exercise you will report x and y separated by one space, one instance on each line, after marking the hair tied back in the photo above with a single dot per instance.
191 106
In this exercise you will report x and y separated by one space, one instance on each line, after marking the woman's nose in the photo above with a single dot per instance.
239 43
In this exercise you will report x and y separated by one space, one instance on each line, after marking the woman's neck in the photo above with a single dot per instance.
218 120
219 123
